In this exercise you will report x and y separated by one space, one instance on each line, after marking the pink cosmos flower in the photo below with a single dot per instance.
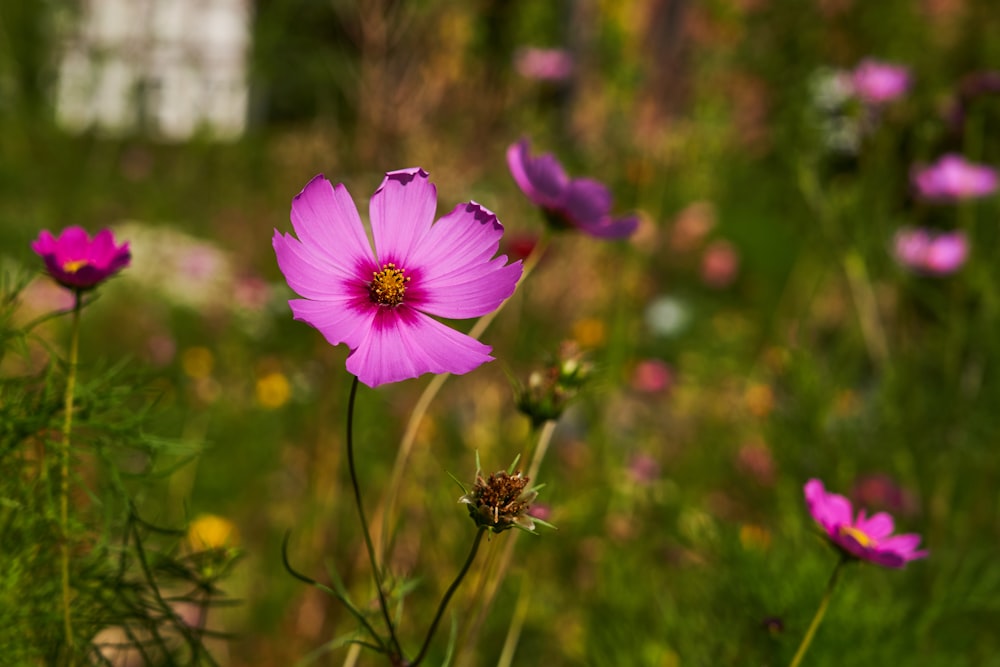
76 261
878 82
953 178
933 253
544 64
580 203
861 537
379 302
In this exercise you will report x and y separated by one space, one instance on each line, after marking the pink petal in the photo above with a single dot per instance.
828 509
612 228
902 544
327 223
456 275
403 343
402 211
542 179
313 274
346 320
886 558
877 527
587 201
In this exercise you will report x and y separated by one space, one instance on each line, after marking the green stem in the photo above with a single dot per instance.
447 596
376 573
818 618
74 355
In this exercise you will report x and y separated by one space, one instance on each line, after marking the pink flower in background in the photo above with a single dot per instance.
379 303
643 469
861 537
933 253
953 178
720 264
544 64
78 262
878 82
652 376
882 492
580 203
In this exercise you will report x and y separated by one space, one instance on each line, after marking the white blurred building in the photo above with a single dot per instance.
171 68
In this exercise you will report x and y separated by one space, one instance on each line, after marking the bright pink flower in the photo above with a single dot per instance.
544 64
652 376
379 303
580 203
953 178
78 262
861 537
933 253
720 264
877 82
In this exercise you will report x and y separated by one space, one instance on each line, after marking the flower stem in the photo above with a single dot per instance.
447 596
383 516
376 573
818 618
74 355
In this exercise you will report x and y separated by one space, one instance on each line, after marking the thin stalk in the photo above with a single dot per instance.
447 596
74 357
383 516
497 575
376 573
818 618
516 625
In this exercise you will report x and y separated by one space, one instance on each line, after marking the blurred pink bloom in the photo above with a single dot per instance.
953 178
878 82
78 262
643 469
544 64
860 537
755 459
540 511
580 203
720 264
380 303
933 253
651 376
252 293
881 492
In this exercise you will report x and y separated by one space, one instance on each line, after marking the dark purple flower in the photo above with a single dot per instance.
878 82
78 262
861 537
380 301
580 203
953 178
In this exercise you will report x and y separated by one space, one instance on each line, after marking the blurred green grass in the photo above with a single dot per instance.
684 569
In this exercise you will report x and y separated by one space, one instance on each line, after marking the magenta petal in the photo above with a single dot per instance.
345 320
312 275
328 225
542 179
457 274
403 343
587 201
612 228
828 509
876 527
402 211
886 558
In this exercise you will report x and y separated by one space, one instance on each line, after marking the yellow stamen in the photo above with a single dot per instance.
74 265
388 285
860 537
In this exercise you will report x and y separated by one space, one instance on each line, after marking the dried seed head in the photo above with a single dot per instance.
500 502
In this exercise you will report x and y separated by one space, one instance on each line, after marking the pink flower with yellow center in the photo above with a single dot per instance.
380 303
76 261
861 537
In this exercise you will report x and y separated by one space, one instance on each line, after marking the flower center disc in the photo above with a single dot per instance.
388 285
860 537
74 265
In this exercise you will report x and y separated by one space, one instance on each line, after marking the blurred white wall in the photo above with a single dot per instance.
166 67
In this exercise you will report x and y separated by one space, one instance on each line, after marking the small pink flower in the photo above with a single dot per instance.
652 376
76 261
953 178
544 64
580 203
933 253
643 469
380 302
720 264
878 82
860 537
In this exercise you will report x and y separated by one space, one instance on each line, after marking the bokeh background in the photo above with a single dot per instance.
757 330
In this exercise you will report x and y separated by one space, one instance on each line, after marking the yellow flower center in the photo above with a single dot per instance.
388 285
74 265
860 537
